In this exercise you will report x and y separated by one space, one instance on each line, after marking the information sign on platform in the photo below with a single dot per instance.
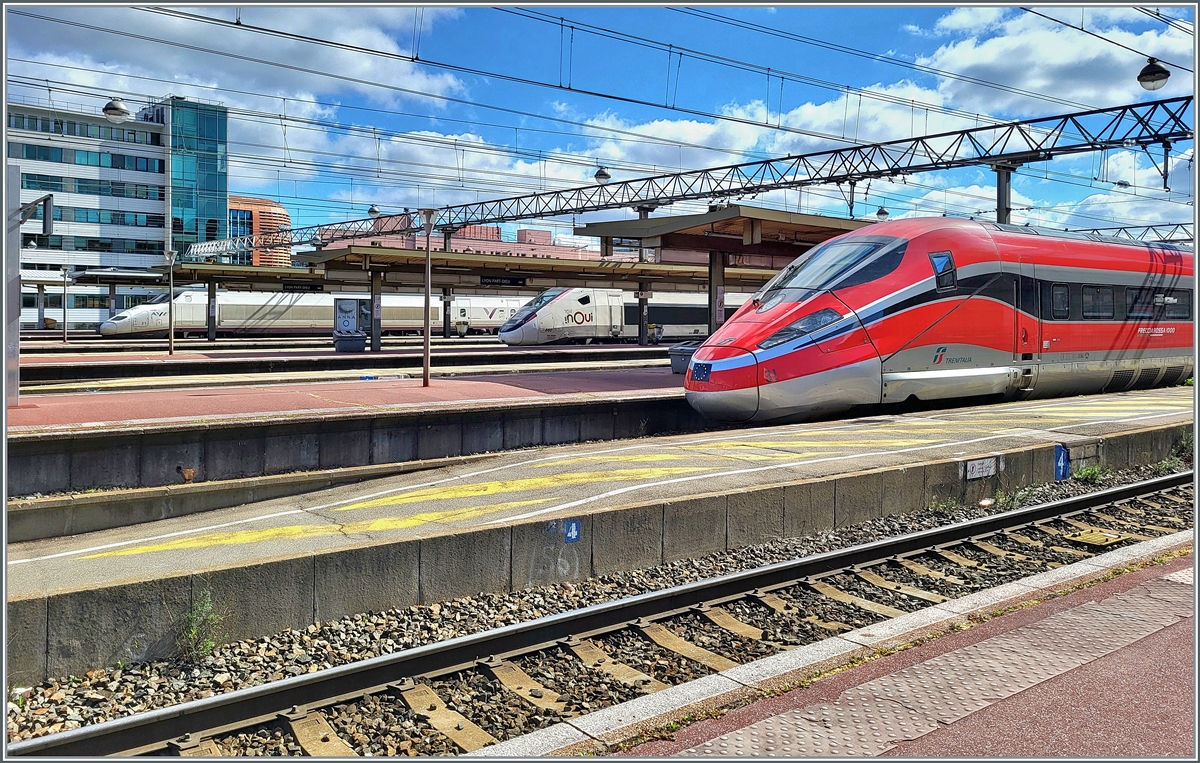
501 281
302 286
981 467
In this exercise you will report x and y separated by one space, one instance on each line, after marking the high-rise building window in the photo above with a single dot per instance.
241 222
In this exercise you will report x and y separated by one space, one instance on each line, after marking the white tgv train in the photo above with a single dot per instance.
607 315
249 312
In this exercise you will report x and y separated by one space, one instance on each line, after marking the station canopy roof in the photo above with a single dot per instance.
764 237
754 242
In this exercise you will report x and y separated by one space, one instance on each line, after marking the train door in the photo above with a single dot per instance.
1027 341
616 313
1029 321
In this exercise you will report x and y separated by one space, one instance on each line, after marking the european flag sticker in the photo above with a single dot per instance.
700 371
572 531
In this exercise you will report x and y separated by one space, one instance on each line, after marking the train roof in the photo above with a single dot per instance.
910 227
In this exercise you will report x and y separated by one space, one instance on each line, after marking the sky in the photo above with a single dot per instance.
329 113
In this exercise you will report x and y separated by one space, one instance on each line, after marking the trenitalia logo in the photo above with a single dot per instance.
937 357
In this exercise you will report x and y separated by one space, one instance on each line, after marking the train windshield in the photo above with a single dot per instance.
529 308
839 263
161 299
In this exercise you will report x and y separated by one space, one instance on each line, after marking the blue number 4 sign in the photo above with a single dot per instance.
571 531
1062 463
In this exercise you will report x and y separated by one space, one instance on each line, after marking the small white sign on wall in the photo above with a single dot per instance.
981 467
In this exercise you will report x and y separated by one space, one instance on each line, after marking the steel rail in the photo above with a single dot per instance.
1008 145
154 730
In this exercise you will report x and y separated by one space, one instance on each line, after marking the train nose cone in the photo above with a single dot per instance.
722 384
107 328
522 335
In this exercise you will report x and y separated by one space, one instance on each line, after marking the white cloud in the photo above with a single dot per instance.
379 28
1036 55
971 20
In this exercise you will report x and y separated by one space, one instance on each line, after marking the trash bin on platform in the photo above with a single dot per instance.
681 355
350 341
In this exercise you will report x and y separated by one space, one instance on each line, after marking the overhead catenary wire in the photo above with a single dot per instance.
1174 23
771 71
877 57
383 85
426 180
1106 39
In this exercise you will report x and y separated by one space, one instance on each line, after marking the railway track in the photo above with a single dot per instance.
466 692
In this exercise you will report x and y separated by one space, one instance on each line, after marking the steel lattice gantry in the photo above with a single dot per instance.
1179 233
1002 147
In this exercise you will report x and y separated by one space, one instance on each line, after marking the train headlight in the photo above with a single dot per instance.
797 329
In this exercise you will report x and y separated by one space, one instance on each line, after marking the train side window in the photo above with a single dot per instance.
1139 303
1060 302
1098 302
586 299
1178 305
943 270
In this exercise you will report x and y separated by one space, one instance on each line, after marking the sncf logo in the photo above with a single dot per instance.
939 355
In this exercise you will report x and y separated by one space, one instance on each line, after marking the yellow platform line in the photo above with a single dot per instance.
497 487
301 532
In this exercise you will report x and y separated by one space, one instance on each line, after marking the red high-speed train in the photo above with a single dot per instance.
934 308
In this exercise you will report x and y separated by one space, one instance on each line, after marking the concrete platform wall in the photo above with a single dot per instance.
59 462
137 621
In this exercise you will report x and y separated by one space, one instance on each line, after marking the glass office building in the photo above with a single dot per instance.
111 183
199 176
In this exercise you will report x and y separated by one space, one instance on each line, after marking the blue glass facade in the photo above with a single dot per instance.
199 177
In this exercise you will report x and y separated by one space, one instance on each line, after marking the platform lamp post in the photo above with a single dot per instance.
427 223
171 301
66 280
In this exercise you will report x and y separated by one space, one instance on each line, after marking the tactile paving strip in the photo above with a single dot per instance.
1180 595
1183 576
778 736
1146 607
936 694
862 720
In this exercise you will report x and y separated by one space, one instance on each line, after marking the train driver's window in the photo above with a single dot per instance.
462 312
585 299
1060 302
943 270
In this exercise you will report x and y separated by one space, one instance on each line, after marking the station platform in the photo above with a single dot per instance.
84 411
546 516
1107 671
